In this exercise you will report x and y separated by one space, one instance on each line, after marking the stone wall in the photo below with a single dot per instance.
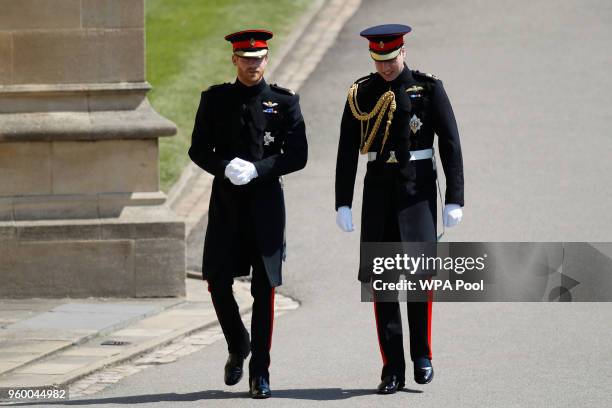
81 213
71 41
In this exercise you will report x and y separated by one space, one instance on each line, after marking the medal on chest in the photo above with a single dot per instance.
268 138
415 123
269 107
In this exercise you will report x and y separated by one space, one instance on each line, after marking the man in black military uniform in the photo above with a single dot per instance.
392 116
247 134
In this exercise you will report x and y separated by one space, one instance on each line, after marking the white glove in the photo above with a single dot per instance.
240 171
232 171
344 218
453 213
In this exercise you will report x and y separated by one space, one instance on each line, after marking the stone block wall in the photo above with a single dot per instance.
71 41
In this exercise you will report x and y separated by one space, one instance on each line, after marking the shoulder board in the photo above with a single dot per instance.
425 76
218 86
280 89
365 78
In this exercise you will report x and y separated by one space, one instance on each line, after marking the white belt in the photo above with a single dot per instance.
414 155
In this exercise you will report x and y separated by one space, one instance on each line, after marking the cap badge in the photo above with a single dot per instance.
381 45
252 42
415 123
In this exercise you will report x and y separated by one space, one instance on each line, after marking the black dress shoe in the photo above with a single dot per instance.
390 384
233 368
423 371
259 387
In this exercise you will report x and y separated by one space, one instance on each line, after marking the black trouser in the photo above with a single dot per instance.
390 338
262 319
389 322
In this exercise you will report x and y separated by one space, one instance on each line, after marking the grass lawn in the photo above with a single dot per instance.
186 53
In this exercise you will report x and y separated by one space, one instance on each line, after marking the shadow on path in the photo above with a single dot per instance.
314 394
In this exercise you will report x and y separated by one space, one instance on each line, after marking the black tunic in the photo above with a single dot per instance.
262 124
406 190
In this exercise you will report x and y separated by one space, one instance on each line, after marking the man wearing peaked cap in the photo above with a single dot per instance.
250 43
386 41
392 116
247 134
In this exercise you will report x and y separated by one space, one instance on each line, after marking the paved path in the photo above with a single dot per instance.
55 341
529 86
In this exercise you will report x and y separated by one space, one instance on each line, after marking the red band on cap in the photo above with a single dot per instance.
250 44
382 46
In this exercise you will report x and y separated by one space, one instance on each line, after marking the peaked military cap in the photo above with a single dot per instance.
250 43
385 40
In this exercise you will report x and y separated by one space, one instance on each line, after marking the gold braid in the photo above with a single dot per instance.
386 101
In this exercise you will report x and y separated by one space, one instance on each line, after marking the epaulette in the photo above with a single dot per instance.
218 86
425 76
280 89
365 78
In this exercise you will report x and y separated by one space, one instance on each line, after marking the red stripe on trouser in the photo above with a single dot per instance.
429 306
382 352
271 318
